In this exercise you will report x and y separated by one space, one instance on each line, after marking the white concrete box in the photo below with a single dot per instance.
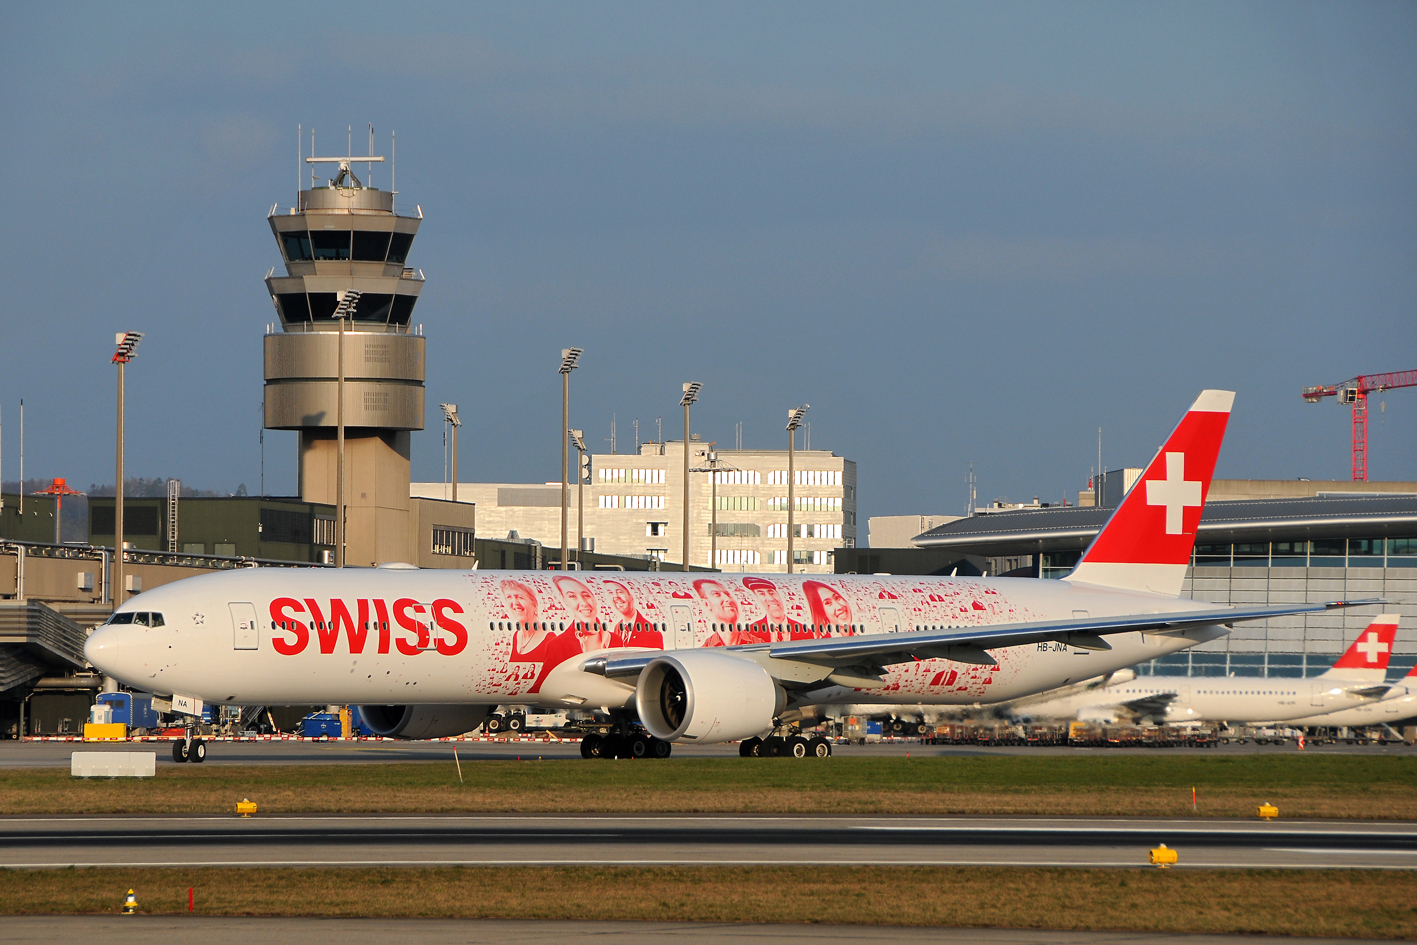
113 764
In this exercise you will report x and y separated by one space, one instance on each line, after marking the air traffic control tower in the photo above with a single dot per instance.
346 235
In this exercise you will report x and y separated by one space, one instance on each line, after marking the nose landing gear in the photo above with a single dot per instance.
190 748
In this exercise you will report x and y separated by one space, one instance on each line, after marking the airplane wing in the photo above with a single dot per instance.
860 660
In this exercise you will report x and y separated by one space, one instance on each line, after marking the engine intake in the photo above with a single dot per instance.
423 721
705 696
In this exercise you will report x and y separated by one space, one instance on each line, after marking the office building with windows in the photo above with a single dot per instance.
634 506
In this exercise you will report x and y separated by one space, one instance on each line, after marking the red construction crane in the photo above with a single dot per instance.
1354 392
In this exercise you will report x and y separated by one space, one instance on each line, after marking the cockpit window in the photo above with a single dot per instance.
140 618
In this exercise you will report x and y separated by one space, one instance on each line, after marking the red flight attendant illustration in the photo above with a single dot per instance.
774 625
830 611
536 641
632 627
581 605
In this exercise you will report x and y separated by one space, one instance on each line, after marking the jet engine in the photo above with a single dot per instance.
708 697
423 721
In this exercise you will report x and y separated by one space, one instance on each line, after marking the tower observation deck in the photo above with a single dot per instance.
345 236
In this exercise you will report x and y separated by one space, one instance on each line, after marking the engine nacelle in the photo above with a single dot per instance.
423 721
705 696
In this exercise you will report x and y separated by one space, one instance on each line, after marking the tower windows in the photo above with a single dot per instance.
297 245
402 309
293 307
330 244
371 245
398 247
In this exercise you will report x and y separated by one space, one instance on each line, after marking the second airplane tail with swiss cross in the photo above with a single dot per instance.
1147 542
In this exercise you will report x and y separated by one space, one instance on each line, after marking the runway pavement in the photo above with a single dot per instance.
14 754
143 930
681 840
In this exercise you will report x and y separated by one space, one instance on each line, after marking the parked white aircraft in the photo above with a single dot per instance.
1354 681
706 658
1398 705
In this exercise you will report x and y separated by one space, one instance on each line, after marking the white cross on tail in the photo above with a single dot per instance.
1175 492
1371 647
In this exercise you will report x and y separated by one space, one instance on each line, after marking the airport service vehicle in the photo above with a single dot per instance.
1354 681
693 658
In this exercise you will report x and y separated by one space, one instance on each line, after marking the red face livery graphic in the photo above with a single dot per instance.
632 628
429 627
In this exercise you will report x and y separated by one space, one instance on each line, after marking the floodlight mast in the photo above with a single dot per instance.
451 417
578 438
691 394
570 358
794 420
127 342
343 310
713 466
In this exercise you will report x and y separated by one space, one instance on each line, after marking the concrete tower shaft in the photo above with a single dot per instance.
346 236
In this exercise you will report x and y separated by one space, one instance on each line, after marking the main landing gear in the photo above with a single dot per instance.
190 748
790 746
634 744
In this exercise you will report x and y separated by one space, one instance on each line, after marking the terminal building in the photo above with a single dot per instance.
634 506
1259 542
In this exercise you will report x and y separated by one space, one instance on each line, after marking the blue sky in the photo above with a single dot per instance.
962 232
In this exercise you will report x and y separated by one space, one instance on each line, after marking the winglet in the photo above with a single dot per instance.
1146 543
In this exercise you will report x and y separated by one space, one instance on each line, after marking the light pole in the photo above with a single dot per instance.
691 394
578 437
342 311
713 467
569 359
127 342
794 420
450 414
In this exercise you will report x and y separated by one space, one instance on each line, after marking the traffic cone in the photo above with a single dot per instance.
130 905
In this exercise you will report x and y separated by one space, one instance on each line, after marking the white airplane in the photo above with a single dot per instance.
699 658
1355 679
1398 705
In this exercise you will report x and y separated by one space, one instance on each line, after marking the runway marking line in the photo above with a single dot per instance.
1069 864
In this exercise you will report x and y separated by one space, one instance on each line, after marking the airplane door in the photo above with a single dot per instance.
683 627
1316 696
890 619
245 631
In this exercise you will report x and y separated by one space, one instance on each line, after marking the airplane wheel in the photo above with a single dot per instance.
638 746
495 724
774 746
748 747
819 748
613 746
198 754
661 749
179 751
797 746
591 746
515 723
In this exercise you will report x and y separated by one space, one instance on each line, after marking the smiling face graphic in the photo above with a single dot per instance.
579 600
521 602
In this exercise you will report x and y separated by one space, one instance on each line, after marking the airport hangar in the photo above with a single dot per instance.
1259 542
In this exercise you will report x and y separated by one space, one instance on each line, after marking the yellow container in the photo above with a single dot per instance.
105 732
1163 856
245 807
1268 811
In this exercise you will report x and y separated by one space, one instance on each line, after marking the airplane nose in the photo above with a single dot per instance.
102 648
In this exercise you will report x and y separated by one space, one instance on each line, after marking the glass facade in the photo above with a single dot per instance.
330 244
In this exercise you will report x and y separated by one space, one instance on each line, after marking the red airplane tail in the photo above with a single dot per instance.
1366 660
1146 544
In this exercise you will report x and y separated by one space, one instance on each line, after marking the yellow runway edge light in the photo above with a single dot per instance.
1267 811
1163 856
130 905
245 807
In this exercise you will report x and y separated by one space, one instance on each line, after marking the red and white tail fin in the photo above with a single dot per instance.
1366 660
1146 544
